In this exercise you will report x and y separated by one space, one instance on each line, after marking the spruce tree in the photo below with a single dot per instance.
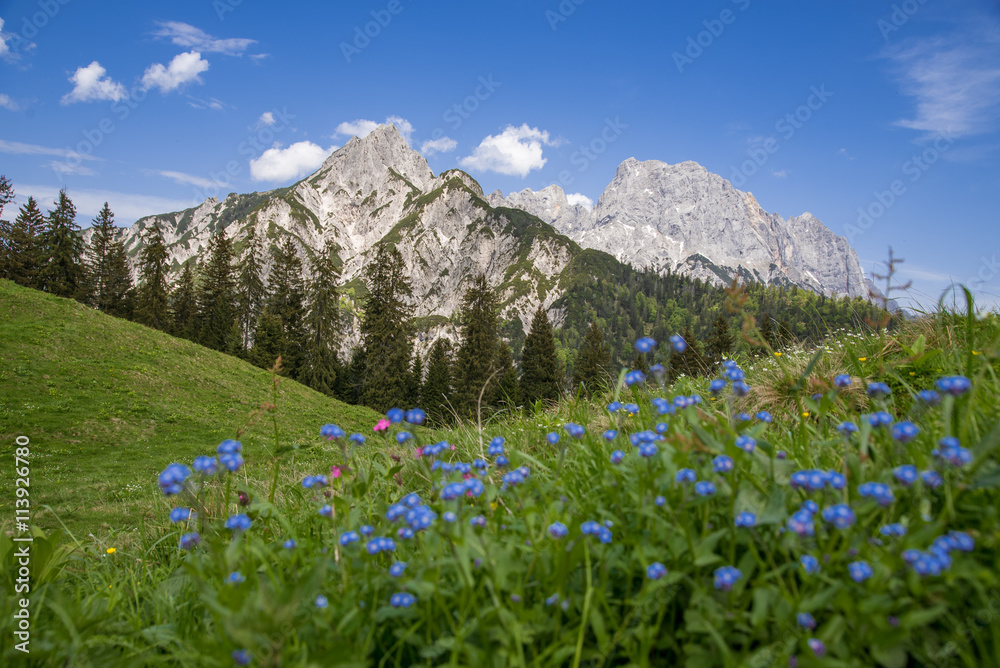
416 382
217 294
152 298
437 389
250 290
386 331
319 369
120 289
540 379
184 304
476 360
62 273
592 363
508 390
6 240
720 342
99 258
268 340
286 303
24 245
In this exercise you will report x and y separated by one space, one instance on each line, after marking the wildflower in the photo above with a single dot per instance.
660 500
575 430
632 409
322 602
740 388
840 516
810 506
735 374
558 530
782 454
552 600
326 510
817 646
110 550
590 528
645 344
453 491
349 537
764 416
610 435
206 465
878 389
290 544
171 479
232 461
381 425
474 487
723 464
236 578
403 437
743 416
614 406
777 354
421 517
953 385
932 479
904 432
402 600
331 432
746 520
314 481
617 456
859 571
842 381
686 475
513 478
415 416
801 522
552 437
478 521
836 480
952 452
746 443
357 439
238 522
661 427
397 569
929 397
190 540
862 359
635 377
810 564
881 492
604 535
395 415
229 447
896 530
181 514
704 488
658 371
678 343
726 577
805 620
501 461
880 419
656 570
241 657
847 428
717 385
648 450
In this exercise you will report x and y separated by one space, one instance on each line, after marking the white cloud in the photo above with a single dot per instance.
128 207
183 68
283 164
442 145
267 118
183 179
582 200
8 103
66 169
361 127
515 151
211 103
19 148
4 49
91 83
404 126
189 37
955 84
780 173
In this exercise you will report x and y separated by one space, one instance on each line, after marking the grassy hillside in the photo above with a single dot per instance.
106 403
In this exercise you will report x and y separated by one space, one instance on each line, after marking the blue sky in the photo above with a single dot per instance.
882 119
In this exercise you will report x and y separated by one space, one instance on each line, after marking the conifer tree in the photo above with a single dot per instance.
217 294
268 340
184 304
286 304
319 369
386 331
437 389
250 289
540 379
591 368
720 342
24 245
6 241
152 296
104 290
416 382
62 273
476 360
508 390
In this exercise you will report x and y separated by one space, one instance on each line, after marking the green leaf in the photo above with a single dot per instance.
890 657
919 618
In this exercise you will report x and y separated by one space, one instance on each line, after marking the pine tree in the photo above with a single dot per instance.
23 245
120 289
319 369
153 298
268 340
476 360
386 331
217 294
286 303
6 236
99 258
540 379
62 273
437 389
720 342
508 390
184 304
592 363
250 289
415 387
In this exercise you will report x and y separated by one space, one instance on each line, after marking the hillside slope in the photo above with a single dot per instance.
106 402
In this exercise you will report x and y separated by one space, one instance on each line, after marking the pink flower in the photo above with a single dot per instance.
452 446
418 453
335 471
382 425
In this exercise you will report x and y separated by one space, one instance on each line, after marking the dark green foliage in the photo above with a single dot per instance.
184 305
21 244
437 390
508 389
593 363
319 368
386 331
286 305
6 241
691 362
540 378
475 364
268 340
415 387
62 272
152 298
109 275
250 290
720 342
217 294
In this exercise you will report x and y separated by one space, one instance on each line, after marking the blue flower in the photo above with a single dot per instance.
837 480
743 416
842 381
474 486
661 427
880 419
817 646
381 544
190 540
717 385
478 521
645 344
552 600
735 374
904 432
575 430
331 431
953 385
366 530
449 516
420 518
929 397
963 541
932 479
322 602
290 544
805 620
513 478
841 516
686 475
415 416
801 522
740 388
395 415
632 408
397 569
746 443
810 564
656 570
552 437
402 600
859 571
496 446
610 435
614 406
241 657
558 530
501 461
206 465
617 456
453 491
678 343
764 416
723 464
635 377
847 428
881 492
905 474
726 577
232 461
326 510
403 437
356 438
896 530
604 535
704 488
746 520
349 537
590 528
238 522
229 447
171 479
236 578
810 506
878 389
658 370
648 450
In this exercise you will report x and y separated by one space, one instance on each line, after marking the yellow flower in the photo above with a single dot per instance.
777 354
862 359
110 550
913 373
493 505
975 352
805 414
